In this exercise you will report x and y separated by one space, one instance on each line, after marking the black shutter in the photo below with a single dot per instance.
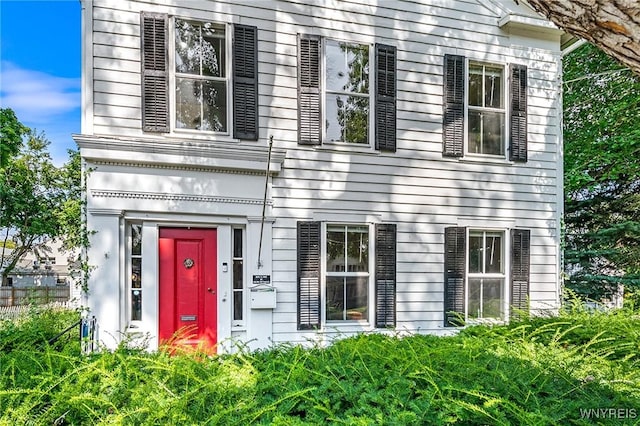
245 82
385 100
385 279
453 106
520 265
309 90
308 275
454 275
155 72
518 113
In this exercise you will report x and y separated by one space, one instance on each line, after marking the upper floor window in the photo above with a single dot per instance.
485 131
212 72
484 109
339 99
347 97
201 77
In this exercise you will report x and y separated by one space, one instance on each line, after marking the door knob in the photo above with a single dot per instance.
210 290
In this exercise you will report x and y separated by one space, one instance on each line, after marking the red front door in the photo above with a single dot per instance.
188 290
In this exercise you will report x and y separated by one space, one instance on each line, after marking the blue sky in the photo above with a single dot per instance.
40 68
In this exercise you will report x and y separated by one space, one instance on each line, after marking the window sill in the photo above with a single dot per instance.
347 148
346 327
486 321
481 159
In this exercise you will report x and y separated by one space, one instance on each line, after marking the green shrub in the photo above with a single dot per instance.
532 372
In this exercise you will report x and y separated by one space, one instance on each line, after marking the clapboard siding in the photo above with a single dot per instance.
415 187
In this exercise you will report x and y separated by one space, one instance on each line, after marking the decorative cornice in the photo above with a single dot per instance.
134 195
170 151
178 167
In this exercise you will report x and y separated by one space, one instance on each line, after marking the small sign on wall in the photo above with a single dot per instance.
263 295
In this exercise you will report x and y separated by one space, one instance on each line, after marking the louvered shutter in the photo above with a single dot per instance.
385 275
518 113
454 271
309 129
155 73
308 275
520 265
385 99
245 82
453 106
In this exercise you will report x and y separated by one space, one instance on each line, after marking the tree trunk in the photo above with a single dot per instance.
612 25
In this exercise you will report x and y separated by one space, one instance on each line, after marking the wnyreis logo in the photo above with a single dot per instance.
608 413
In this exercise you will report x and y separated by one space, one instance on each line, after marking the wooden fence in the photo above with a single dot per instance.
14 296
11 312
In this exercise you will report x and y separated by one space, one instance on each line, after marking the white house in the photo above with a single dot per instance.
293 171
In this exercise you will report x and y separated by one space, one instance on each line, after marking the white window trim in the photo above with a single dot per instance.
131 324
239 325
505 95
370 145
506 262
367 323
171 62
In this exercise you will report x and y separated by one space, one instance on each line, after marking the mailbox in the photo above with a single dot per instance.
263 298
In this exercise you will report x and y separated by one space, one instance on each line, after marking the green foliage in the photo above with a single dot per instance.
602 173
40 202
537 371
11 134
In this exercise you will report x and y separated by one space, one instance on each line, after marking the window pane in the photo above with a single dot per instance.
136 240
357 298
486 298
188 103
474 310
136 272
200 48
237 274
347 67
136 305
493 88
475 253
347 298
335 299
492 297
213 50
347 119
486 130
237 305
237 243
215 106
357 249
187 47
493 250
194 97
335 249
475 85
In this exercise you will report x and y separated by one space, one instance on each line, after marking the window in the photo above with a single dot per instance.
357 282
476 274
338 97
492 117
486 275
347 92
238 277
135 262
485 131
201 78
210 64
347 273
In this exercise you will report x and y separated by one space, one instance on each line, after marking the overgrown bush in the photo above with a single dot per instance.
536 371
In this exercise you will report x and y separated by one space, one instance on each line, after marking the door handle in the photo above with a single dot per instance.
210 290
